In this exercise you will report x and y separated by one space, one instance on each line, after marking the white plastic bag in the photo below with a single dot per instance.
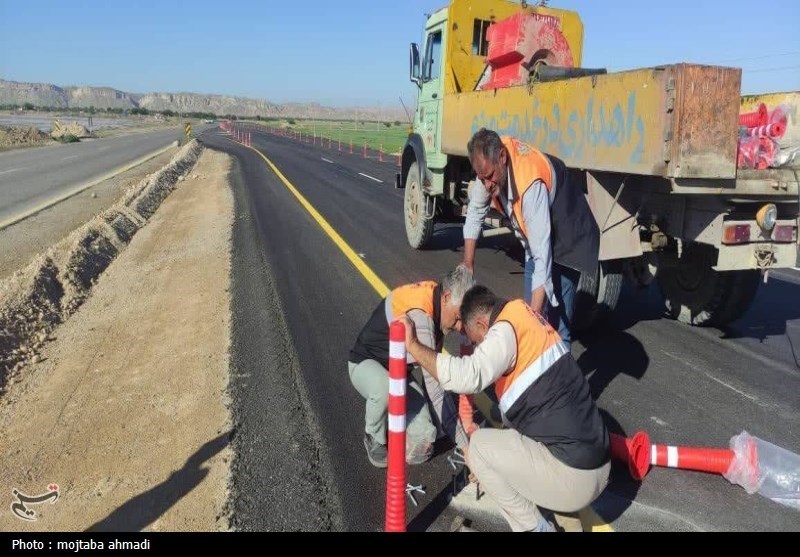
771 471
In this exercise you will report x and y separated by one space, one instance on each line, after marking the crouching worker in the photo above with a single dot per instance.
434 308
555 453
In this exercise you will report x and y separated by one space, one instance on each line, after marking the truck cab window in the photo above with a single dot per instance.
433 61
480 46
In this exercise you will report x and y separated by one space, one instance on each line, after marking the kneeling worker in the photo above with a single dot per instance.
556 450
435 311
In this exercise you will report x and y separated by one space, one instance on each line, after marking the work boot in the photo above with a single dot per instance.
376 453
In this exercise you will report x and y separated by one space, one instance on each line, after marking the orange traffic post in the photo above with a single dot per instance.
396 466
640 455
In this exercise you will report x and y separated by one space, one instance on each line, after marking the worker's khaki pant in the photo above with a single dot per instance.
521 474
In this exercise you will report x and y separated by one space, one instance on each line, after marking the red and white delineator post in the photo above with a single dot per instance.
396 468
752 463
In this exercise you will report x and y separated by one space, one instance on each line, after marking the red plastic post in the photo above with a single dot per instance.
640 454
755 119
396 469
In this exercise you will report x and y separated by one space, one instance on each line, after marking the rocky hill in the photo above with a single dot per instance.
48 95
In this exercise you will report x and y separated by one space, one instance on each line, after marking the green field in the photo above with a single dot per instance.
376 134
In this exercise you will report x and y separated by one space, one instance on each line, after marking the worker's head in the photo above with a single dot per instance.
454 285
489 160
476 312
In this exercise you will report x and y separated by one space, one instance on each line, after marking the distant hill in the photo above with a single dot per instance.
48 95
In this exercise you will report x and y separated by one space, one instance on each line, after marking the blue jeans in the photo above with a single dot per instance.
565 283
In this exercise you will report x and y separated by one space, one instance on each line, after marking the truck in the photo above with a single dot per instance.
692 185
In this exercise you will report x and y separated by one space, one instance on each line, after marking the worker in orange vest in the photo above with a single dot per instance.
555 451
434 309
547 208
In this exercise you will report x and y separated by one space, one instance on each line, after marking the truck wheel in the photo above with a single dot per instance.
597 295
696 294
419 227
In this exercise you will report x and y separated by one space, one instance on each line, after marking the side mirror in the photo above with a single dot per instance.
414 64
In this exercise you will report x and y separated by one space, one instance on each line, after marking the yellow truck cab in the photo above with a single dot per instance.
681 188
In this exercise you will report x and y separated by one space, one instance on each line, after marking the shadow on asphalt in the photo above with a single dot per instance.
775 311
622 489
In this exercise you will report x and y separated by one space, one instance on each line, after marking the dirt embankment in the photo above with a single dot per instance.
126 410
52 287
15 136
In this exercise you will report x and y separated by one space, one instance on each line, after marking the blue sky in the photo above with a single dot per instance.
355 52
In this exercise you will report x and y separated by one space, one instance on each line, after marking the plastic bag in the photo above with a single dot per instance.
420 431
771 471
758 152
787 158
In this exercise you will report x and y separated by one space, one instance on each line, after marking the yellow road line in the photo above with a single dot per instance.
376 283
589 519
593 522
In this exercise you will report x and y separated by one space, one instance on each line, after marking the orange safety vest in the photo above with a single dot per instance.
373 340
403 299
527 165
538 348
545 395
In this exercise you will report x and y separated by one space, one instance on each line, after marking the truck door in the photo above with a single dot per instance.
431 94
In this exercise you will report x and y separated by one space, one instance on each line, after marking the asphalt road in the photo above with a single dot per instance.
31 177
684 386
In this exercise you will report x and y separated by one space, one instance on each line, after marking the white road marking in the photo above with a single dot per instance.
12 170
731 387
326 160
370 177
69 157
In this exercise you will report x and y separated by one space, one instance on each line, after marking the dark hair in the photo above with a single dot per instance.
477 300
485 143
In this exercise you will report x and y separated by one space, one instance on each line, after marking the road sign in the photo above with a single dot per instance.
188 130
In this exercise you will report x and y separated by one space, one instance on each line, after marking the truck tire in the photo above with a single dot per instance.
696 294
419 228
597 295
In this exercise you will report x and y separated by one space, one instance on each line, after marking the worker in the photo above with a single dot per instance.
555 451
435 310
546 206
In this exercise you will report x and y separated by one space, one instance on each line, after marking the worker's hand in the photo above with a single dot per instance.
472 477
411 330
469 266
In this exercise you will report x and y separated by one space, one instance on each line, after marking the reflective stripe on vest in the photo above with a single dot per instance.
527 166
538 348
